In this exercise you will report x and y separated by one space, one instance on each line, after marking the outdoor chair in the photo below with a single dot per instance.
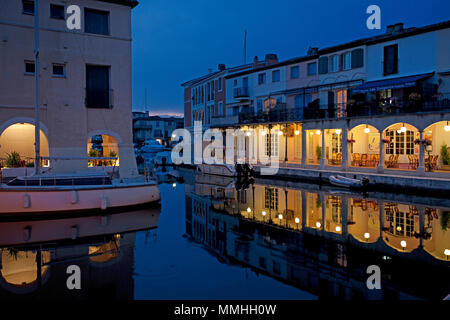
356 159
389 161
364 160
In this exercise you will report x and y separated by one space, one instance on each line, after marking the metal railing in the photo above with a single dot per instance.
241 92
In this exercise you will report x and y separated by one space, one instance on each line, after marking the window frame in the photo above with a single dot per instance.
298 72
23 7
53 5
98 11
261 78
30 62
308 68
395 67
59 75
347 54
274 72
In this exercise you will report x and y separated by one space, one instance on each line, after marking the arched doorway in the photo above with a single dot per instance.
103 146
401 151
437 146
17 146
364 146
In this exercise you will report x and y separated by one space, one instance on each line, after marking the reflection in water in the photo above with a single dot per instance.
323 241
35 255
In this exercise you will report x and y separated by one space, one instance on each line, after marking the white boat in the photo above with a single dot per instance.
70 192
73 193
217 169
151 148
345 182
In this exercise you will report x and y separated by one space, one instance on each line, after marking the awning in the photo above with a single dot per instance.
395 83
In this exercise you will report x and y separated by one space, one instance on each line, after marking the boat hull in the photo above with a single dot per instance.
45 201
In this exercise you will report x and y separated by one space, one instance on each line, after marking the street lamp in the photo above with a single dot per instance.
403 244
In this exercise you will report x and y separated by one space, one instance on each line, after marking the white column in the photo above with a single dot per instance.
380 167
344 163
322 161
421 168
303 161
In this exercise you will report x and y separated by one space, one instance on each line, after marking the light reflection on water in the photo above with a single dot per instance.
272 240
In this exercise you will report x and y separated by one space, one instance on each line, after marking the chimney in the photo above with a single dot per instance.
312 51
394 28
271 58
222 67
255 62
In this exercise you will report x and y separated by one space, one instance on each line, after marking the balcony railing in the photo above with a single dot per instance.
241 92
315 111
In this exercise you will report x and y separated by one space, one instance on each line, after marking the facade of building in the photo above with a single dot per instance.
146 127
85 82
379 104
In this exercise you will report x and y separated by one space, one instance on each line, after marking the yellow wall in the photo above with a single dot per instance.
20 138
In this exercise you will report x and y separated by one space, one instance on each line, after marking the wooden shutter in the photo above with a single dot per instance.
323 65
357 58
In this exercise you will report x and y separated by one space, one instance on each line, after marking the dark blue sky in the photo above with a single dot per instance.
177 40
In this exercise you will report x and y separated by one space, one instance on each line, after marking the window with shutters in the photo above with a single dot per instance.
323 65
261 78
357 58
96 21
97 87
334 63
390 64
295 72
346 61
312 68
276 76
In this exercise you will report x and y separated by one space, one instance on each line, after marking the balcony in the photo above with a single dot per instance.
220 121
241 93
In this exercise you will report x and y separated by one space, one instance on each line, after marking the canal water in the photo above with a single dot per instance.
214 238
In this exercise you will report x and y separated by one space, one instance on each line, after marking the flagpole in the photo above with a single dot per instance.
37 142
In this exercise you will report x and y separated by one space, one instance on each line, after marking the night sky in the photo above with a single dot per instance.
175 41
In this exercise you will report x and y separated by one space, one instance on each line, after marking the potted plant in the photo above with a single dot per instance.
445 156
13 160
93 154
319 152
112 154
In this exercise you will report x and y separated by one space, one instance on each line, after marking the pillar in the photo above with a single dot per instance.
322 161
344 216
303 160
380 167
421 168
344 163
303 209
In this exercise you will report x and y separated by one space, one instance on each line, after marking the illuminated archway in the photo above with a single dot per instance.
364 146
364 220
400 150
103 146
19 138
19 269
437 153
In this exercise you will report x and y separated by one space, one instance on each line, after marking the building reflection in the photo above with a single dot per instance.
35 255
323 240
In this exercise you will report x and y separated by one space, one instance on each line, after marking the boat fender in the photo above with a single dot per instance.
27 233
74 231
74 195
26 201
104 204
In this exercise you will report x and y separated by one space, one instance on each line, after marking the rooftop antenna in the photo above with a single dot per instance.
245 46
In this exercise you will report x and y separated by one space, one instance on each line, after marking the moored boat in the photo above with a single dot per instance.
345 182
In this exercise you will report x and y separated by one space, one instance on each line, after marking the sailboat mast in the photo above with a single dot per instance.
37 142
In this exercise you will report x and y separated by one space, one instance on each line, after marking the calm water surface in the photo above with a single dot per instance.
213 238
